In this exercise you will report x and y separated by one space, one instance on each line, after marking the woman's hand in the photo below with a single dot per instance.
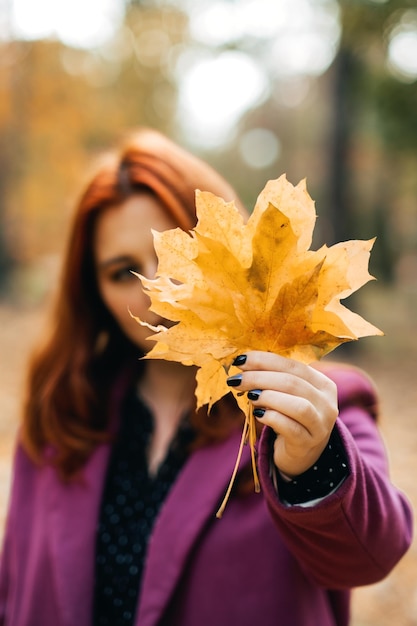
297 401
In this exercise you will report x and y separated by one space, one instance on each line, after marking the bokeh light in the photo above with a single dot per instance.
259 147
402 48
216 91
77 23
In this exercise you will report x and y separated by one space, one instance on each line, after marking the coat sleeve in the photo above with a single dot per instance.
356 535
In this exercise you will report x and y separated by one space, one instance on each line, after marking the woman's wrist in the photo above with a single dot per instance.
318 481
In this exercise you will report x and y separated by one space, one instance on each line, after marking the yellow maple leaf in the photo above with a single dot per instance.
233 287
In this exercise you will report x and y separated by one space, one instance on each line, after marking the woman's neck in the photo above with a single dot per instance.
168 390
165 384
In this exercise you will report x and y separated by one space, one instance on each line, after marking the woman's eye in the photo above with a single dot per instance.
124 274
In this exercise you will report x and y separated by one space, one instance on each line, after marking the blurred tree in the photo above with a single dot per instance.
59 106
5 117
373 112
5 173
62 106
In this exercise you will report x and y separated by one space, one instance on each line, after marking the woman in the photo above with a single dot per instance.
117 479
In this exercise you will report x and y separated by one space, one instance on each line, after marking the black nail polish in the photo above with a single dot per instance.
234 381
240 360
259 412
254 394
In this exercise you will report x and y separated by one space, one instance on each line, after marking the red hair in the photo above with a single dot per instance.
66 405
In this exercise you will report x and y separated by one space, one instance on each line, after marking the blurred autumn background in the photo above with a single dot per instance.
320 89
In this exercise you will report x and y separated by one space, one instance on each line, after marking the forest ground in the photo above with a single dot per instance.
392 363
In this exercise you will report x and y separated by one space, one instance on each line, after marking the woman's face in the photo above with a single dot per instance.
123 242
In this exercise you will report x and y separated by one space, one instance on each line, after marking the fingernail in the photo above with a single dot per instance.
234 381
240 360
254 394
259 412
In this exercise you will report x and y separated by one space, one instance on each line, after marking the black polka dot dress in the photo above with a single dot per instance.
130 504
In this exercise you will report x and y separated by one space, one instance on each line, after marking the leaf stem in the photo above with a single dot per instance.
239 456
248 436
252 444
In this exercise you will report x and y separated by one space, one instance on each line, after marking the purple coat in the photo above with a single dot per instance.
262 562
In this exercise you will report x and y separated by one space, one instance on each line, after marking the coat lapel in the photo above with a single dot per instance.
193 500
74 510
73 515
